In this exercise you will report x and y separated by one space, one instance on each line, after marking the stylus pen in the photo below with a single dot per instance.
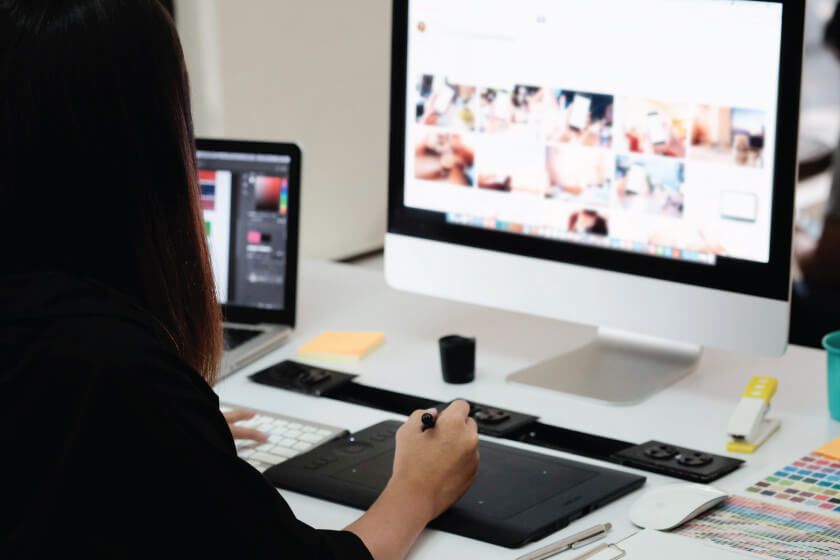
428 421
575 541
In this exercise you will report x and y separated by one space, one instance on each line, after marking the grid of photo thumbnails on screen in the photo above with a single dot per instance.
672 179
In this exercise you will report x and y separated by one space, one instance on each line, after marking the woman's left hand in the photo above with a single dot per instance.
241 432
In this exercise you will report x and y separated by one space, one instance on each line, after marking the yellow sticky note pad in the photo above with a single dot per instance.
344 346
831 449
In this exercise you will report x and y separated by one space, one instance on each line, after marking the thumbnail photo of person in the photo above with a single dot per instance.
728 136
589 222
444 157
580 173
446 104
654 127
513 169
496 110
582 118
527 104
651 185
519 110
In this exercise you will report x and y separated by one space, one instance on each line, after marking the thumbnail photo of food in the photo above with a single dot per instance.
729 136
650 185
581 118
444 157
446 104
654 128
579 173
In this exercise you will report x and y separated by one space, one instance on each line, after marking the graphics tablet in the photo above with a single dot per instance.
519 496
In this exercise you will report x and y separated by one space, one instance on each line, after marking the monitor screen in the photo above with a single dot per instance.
609 133
245 200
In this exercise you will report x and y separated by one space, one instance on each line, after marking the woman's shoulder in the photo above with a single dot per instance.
51 322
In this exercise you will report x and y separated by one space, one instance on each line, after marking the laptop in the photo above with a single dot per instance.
250 198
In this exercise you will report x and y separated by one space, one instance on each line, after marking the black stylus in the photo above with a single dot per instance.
428 421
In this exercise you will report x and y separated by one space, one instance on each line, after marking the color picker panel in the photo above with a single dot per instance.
811 482
267 191
768 530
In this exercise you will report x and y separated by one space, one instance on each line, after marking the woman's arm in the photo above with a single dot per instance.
432 470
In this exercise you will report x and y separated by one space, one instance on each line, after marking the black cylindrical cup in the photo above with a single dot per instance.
457 359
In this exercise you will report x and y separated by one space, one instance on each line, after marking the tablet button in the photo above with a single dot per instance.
354 447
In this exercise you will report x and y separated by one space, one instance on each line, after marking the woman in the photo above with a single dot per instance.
113 442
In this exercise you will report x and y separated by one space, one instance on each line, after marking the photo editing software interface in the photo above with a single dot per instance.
646 126
245 200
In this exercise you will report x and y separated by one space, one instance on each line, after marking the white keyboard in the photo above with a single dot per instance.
287 437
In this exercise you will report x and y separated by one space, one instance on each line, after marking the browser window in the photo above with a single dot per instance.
636 126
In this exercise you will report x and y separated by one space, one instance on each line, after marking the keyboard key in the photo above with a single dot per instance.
279 430
284 452
267 458
288 442
307 429
302 446
311 438
295 426
294 433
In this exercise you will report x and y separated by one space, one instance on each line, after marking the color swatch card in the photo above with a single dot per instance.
768 530
812 482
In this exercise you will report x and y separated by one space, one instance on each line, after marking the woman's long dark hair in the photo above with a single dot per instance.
97 159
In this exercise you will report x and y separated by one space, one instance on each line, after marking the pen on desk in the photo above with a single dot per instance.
575 541
428 421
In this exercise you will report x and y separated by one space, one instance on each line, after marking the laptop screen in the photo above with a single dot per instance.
245 200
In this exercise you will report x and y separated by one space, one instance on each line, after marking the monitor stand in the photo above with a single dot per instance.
615 368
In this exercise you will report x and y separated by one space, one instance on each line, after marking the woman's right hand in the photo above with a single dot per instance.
432 470
438 466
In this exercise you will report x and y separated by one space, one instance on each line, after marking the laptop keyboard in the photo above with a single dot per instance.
237 337
287 437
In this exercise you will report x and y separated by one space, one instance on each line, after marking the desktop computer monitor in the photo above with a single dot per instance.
627 164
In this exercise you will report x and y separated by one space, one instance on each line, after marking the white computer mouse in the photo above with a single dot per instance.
670 506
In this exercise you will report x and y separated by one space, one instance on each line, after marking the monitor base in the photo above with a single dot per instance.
615 368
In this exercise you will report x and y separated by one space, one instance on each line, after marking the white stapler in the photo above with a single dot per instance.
749 427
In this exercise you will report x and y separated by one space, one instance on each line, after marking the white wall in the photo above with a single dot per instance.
311 71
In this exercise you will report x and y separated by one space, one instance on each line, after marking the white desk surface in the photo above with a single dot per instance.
692 413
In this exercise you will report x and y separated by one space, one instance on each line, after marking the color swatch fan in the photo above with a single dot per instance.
768 530
810 482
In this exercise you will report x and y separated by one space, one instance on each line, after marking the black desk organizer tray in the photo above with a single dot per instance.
654 456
